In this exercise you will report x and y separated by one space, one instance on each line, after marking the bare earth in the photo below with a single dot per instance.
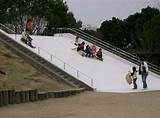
22 76
90 105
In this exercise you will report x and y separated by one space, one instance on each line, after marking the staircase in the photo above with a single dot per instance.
40 63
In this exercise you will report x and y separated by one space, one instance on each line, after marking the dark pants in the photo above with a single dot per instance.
134 83
24 40
88 54
144 76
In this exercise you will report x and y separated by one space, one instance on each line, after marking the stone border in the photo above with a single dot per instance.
8 97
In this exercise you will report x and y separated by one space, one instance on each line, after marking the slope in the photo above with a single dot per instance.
22 76
105 76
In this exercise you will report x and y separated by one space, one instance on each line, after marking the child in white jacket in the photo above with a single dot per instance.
27 39
134 76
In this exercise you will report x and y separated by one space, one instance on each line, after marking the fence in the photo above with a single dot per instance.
9 97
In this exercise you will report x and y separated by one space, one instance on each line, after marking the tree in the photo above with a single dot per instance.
151 39
138 34
50 13
71 21
134 25
113 32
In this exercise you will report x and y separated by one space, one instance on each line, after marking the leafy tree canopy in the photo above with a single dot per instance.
139 33
113 32
50 13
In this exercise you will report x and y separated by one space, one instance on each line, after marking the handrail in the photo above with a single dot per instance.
79 30
39 51
103 44
96 40
107 46
5 27
64 64
111 47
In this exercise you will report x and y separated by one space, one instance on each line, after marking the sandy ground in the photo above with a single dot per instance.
23 76
90 105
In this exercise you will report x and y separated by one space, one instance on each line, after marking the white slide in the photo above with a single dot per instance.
105 76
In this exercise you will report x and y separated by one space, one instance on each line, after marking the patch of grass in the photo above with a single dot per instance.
22 76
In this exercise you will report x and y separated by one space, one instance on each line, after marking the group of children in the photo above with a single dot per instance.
89 51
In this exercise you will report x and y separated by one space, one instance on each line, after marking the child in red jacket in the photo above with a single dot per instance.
99 54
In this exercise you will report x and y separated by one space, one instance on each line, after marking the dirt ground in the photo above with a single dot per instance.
22 76
90 105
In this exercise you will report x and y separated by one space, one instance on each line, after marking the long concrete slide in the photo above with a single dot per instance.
41 64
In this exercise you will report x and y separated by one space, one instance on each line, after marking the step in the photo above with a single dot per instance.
44 64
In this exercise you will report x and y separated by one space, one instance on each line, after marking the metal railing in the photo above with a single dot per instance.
117 51
6 29
53 59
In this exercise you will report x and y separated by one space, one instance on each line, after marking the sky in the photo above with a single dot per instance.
107 75
94 12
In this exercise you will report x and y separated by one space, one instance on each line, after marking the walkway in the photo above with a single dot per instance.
90 105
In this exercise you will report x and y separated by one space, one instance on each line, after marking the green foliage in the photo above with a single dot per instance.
151 39
139 33
53 13
94 33
151 34
113 32
134 25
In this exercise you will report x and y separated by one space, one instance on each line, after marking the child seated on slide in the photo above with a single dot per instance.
27 39
25 35
99 54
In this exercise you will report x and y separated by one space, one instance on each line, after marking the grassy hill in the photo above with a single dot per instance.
22 76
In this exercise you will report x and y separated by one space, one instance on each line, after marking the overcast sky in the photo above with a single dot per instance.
94 12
